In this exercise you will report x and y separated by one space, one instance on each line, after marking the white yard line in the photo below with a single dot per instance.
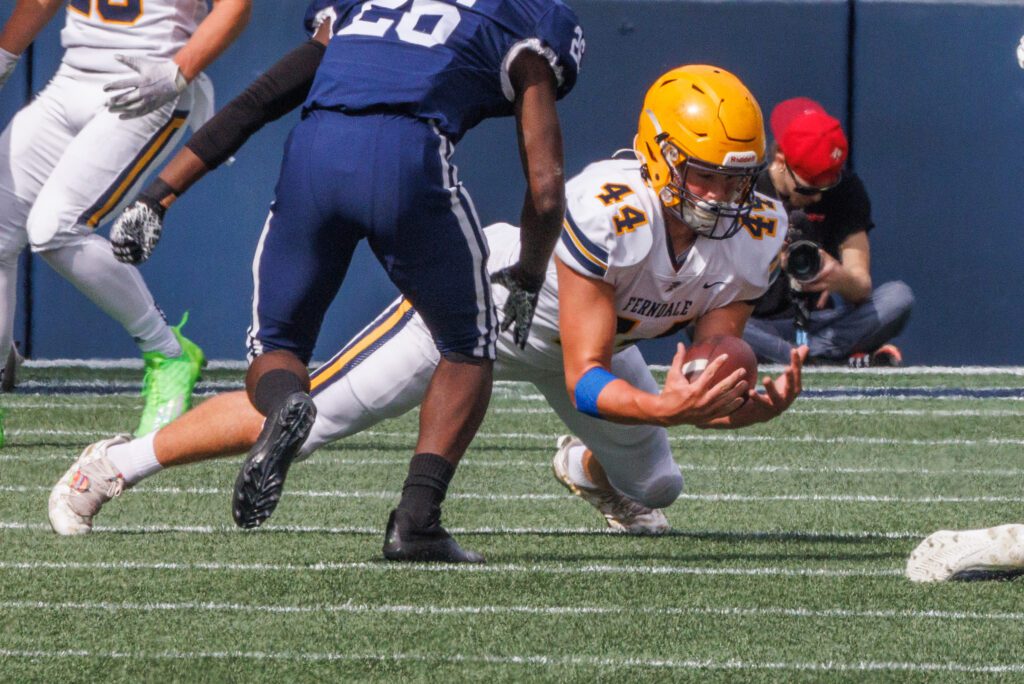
496 568
480 496
327 458
529 661
788 535
434 609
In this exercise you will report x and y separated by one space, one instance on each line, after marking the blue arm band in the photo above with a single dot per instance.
589 387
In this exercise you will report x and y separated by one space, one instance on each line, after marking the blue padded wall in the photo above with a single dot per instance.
938 110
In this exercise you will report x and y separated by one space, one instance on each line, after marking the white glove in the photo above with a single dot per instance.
1020 52
157 83
8 60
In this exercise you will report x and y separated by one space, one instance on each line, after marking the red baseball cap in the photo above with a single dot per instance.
812 140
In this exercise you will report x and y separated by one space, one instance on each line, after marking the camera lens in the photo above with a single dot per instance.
803 262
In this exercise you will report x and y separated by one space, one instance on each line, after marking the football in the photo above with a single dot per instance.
740 356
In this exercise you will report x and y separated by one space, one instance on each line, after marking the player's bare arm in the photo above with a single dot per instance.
221 27
587 322
22 27
779 393
540 148
157 82
279 90
25 23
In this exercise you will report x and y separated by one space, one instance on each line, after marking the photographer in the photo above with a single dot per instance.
830 300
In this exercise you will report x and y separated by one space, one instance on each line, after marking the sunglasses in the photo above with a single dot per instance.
810 190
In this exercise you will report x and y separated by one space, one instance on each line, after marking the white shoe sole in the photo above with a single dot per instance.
63 520
993 553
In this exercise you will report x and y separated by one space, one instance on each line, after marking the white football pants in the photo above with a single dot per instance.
67 165
384 371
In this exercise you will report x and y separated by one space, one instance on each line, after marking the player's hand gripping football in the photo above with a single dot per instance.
699 402
779 394
137 230
8 60
155 83
521 303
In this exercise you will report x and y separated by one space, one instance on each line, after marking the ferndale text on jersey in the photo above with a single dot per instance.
649 309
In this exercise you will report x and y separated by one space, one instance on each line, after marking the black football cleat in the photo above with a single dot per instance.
403 542
261 479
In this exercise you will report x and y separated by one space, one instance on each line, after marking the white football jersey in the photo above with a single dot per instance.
615 231
96 30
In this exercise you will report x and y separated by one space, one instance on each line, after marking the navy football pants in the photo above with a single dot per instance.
386 178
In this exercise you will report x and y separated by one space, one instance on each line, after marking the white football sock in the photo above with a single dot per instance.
576 472
118 289
136 460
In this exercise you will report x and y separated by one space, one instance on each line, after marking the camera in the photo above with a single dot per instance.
803 261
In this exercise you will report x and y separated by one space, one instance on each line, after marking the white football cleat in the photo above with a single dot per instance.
993 553
621 512
90 482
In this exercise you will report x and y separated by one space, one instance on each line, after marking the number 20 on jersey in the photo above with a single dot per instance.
121 12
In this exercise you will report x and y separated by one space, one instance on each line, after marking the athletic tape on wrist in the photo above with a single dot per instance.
589 387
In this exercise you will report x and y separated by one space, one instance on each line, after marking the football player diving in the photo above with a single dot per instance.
643 235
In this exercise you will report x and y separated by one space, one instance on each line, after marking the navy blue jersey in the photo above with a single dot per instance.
320 11
444 61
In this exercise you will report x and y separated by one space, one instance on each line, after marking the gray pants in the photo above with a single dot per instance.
834 334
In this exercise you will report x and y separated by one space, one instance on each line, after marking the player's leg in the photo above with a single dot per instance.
301 260
99 170
224 425
381 373
30 148
430 241
625 471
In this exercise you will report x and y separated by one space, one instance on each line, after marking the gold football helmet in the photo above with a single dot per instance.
701 121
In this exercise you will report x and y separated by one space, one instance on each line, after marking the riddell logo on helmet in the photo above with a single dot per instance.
740 159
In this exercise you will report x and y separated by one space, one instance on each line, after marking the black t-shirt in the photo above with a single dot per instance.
841 212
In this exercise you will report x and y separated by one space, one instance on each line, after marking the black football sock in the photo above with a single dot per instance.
425 488
274 387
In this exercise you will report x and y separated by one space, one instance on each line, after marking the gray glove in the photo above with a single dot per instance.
8 60
137 230
520 304
157 82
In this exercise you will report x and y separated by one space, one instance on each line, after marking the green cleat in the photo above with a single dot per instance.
168 383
